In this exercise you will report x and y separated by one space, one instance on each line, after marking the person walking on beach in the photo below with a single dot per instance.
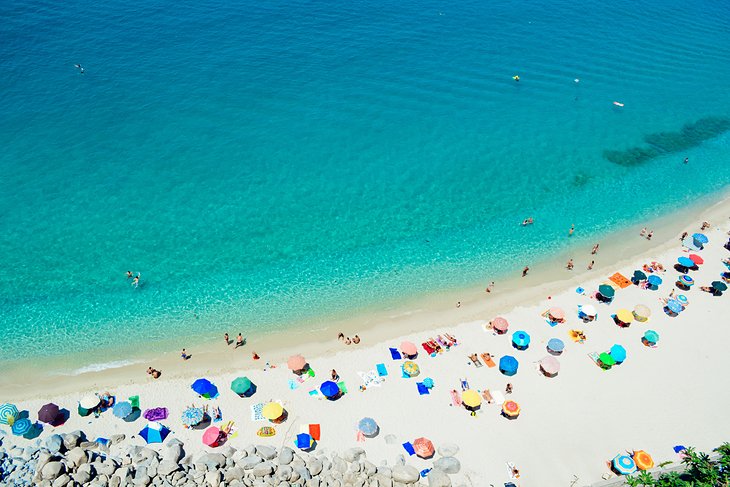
590 266
570 265
490 287
572 229
525 271
650 234
595 250
227 338
642 233
239 340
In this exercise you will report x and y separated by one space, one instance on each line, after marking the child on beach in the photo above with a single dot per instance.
184 355
570 265
649 235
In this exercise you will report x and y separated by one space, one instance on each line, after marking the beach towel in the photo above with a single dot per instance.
620 280
382 371
429 349
293 384
360 436
370 378
422 389
455 398
314 431
594 356
342 386
134 401
395 354
488 360
407 446
487 396
475 361
102 441
424 472
314 392
403 374
498 397
310 372
256 412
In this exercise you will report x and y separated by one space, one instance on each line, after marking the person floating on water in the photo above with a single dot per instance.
80 68
516 78
527 221
686 160
129 274
135 281
572 229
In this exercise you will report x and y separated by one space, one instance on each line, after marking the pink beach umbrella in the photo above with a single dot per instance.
557 313
500 325
550 366
211 436
409 348
296 362
423 447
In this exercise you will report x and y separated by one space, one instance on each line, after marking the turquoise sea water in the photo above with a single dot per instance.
263 162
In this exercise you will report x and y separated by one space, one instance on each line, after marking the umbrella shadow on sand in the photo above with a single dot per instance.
133 416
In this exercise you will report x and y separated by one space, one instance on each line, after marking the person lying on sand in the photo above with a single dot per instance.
154 373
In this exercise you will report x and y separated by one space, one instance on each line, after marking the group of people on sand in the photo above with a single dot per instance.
570 265
240 341
341 336
647 234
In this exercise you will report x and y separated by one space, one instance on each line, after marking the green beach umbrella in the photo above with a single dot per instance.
241 385
606 290
719 285
606 359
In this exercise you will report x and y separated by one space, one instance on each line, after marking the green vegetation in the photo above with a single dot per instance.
700 471
662 143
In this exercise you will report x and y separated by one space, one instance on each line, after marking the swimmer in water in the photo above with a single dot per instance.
129 274
135 281
80 68
516 78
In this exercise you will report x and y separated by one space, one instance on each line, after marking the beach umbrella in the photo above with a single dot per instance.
685 262
719 286
296 362
423 447
329 389
8 411
520 339
409 348
683 300
606 290
674 306
428 382
686 280
508 365
241 385
623 464
272 411
192 416
48 413
368 426
471 399
696 259
500 325
643 460
122 409
651 336
589 310
90 401
639 275
550 366
618 353
606 359
21 426
654 280
154 432
642 312
700 238
557 313
624 316
205 388
555 345
511 409
304 441
211 436
411 369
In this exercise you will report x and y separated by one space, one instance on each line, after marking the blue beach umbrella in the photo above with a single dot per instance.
682 300
8 411
428 382
520 339
624 464
654 280
719 285
192 416
686 262
22 426
329 389
555 345
304 441
651 336
508 365
154 433
700 238
674 306
368 426
122 409
606 290
618 353
205 388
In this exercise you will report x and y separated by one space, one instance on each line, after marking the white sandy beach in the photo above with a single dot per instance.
570 425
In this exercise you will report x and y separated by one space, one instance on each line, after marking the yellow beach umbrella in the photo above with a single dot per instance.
625 316
471 398
272 411
411 368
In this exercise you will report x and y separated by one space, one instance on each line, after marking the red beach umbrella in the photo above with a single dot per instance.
696 259
211 436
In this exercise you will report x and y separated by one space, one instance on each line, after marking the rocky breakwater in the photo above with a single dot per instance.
71 460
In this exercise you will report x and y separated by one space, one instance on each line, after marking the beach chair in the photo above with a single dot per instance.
455 398
315 431
134 401
343 387
487 396
382 371
488 360
464 384
395 354
408 447
475 361
422 389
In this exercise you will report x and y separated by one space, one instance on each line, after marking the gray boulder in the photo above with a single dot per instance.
314 465
448 450
448 464
173 453
369 468
437 478
286 455
391 439
339 464
52 470
212 460
62 480
228 451
167 467
213 478
249 462
263 469
266 452
354 454
54 443
405 474
76 457
71 440
234 473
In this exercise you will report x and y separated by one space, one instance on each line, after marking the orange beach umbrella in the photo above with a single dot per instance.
423 447
511 409
643 460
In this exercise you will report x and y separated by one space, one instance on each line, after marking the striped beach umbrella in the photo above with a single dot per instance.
643 460
411 369
22 426
674 306
368 426
623 464
511 409
682 299
8 411
192 416
154 433
686 280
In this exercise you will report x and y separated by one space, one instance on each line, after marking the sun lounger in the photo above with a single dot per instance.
498 397
382 371
455 398
464 384
407 446
422 389
315 431
488 360
342 386
475 361
487 396
395 354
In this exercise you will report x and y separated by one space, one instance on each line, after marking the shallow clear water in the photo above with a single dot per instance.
263 163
